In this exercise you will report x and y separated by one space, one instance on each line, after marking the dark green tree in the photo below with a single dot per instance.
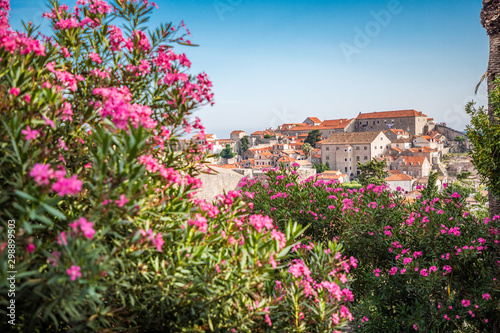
372 172
244 143
431 189
459 138
320 167
313 137
227 152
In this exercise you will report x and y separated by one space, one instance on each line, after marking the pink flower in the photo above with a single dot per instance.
393 270
280 237
465 302
67 186
15 91
30 247
123 200
74 272
415 327
61 239
49 122
486 297
406 261
424 272
260 222
95 57
376 271
200 222
299 269
41 173
158 242
30 134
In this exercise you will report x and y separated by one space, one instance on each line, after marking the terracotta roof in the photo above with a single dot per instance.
395 172
414 160
336 123
291 125
286 159
228 166
391 114
236 132
397 149
266 154
352 138
398 177
399 131
314 119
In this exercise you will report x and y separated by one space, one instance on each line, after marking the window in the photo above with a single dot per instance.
327 148
337 148
381 147
345 169
349 159
366 147
366 157
345 159
374 122
357 148
327 157
410 173
357 158
381 138
350 168
378 122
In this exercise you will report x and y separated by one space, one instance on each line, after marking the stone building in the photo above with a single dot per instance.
237 135
401 181
343 150
415 166
411 121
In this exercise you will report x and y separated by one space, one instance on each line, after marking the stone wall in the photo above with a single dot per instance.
217 182
222 180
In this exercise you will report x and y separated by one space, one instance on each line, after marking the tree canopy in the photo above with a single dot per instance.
313 137
372 172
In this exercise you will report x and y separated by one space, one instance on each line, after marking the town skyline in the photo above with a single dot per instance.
281 61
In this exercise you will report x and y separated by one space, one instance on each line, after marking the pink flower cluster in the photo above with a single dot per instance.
116 104
43 173
86 227
155 239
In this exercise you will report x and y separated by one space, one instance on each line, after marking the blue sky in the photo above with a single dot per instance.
284 60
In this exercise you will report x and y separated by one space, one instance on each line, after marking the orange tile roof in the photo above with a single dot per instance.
228 166
286 159
236 132
395 172
314 119
398 177
336 123
390 114
413 159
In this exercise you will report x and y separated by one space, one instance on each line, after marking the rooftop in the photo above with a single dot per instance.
391 114
352 138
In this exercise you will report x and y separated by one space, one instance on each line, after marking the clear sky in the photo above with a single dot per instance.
284 60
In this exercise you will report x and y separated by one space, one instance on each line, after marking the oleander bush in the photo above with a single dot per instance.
99 217
426 264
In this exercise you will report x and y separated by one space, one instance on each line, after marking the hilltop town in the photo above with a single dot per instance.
411 144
